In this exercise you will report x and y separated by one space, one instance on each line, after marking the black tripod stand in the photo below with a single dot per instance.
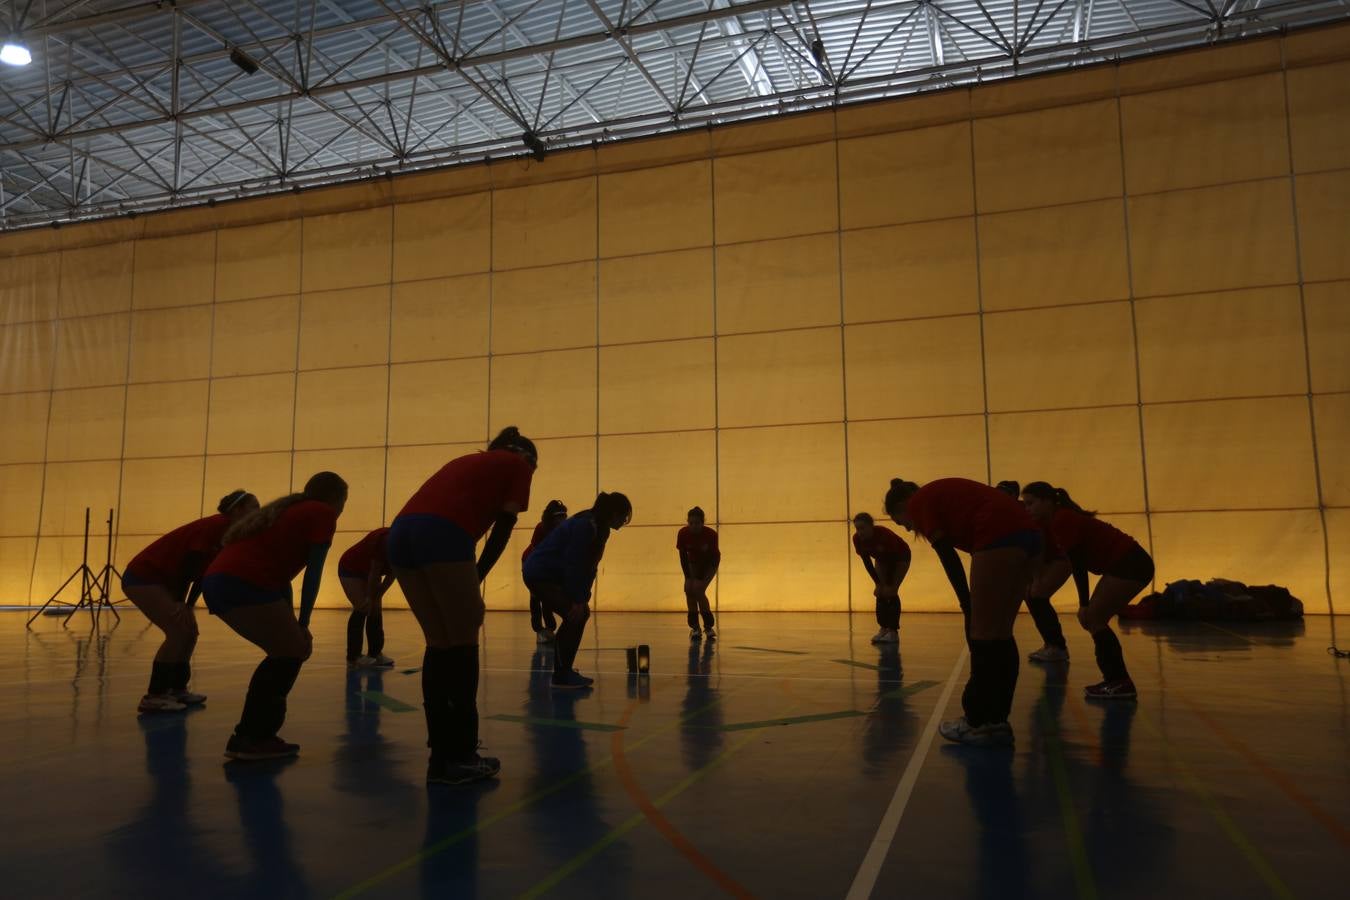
94 588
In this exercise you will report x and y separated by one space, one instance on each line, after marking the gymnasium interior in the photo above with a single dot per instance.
758 257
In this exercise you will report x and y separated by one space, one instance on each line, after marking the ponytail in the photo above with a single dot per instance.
510 438
231 500
899 494
1043 490
326 487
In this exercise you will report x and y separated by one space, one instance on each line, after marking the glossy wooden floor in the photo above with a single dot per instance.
766 765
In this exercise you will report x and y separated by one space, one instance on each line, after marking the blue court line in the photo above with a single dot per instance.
771 650
556 723
790 720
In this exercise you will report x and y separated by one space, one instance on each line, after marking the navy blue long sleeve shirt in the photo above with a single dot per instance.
569 557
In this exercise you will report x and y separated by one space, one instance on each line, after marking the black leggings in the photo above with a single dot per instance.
571 626
541 617
888 612
374 629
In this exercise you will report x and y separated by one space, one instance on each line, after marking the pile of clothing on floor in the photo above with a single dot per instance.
1217 600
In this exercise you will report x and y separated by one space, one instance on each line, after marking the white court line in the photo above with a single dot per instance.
866 879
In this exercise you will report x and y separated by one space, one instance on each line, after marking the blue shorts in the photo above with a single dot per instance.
1028 540
131 579
134 580
226 592
418 540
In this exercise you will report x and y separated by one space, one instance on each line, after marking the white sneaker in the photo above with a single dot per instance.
889 636
710 634
188 698
695 634
960 731
382 662
160 703
1049 654
880 637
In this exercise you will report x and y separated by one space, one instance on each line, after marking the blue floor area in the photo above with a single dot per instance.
764 765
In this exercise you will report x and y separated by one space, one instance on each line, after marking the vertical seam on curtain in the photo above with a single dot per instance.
115 526
843 367
295 373
717 388
595 279
210 362
57 329
979 301
1134 320
1307 350
388 365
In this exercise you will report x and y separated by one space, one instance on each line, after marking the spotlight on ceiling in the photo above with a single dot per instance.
243 61
533 144
15 52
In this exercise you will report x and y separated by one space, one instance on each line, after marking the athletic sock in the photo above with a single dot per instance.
375 634
1047 621
161 677
265 704
182 674
1009 665
436 701
355 623
1110 657
975 699
462 690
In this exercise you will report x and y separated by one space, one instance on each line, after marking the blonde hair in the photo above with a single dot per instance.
326 487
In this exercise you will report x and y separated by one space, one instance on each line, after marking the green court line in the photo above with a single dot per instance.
523 803
1230 828
390 703
1073 833
908 690
856 665
790 720
411 671
585 856
771 650
557 723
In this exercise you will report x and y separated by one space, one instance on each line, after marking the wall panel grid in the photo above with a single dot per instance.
1144 298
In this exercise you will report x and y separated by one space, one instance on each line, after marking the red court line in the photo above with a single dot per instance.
1273 775
672 834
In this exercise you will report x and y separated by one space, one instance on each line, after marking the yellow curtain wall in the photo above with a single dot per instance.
1130 280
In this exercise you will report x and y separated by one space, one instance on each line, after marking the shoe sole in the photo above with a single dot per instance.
568 687
1044 661
455 782
160 710
1106 697
259 757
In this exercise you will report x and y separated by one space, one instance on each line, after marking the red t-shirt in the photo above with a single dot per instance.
182 555
883 544
365 553
541 530
272 558
968 514
471 490
1099 544
701 548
